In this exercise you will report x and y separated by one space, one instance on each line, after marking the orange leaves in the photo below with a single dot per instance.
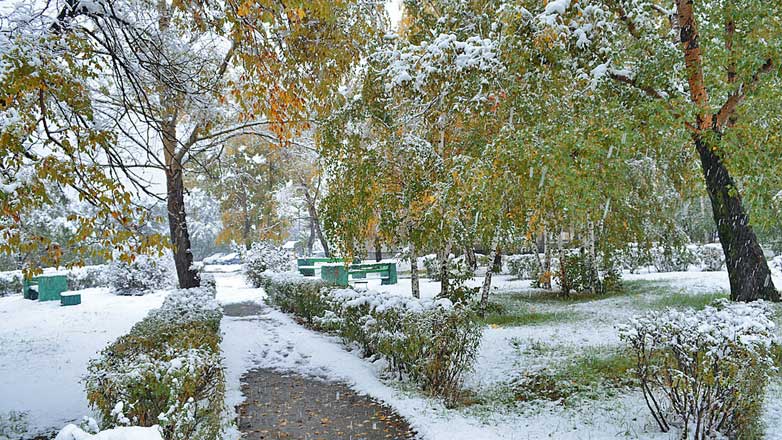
244 9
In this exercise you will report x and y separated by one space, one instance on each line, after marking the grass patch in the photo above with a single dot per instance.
513 310
592 374
628 288
680 300
525 318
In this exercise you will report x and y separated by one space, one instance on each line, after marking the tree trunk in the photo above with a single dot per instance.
496 262
378 249
495 249
177 223
469 254
594 274
445 282
246 226
311 238
414 283
546 284
564 285
315 219
750 278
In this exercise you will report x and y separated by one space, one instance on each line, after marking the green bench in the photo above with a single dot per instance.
306 265
340 275
45 287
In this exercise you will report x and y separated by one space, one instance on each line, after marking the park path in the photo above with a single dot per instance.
277 393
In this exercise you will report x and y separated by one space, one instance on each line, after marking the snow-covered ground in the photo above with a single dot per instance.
45 348
274 340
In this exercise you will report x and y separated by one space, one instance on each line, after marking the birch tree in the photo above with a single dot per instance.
711 67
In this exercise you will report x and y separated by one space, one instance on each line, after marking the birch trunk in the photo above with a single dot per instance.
414 283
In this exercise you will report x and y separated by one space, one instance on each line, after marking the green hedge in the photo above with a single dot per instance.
430 342
166 371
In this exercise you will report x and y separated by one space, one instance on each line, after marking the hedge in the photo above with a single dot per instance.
428 341
166 371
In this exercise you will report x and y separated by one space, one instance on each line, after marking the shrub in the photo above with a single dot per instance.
143 274
458 270
87 277
581 275
166 371
523 267
265 256
10 283
460 294
431 342
432 267
672 258
293 293
711 257
632 257
710 367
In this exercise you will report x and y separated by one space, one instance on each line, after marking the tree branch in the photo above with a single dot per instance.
723 117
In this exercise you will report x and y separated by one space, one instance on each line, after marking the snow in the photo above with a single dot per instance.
46 348
557 7
72 432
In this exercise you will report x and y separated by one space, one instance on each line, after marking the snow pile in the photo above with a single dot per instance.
166 371
428 341
73 432
710 367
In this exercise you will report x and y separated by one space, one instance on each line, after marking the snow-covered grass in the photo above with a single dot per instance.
44 350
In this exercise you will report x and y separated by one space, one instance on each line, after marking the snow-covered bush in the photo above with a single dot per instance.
143 274
458 269
293 293
704 371
166 371
523 267
10 283
432 267
672 258
710 257
264 256
632 258
579 275
431 342
87 277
